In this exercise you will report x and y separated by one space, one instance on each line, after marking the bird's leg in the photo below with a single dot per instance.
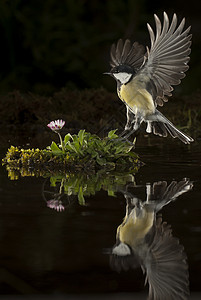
130 120
124 137
138 120
127 134
124 132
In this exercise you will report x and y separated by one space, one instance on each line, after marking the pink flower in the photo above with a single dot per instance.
55 204
56 125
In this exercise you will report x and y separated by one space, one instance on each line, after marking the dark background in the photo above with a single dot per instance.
49 44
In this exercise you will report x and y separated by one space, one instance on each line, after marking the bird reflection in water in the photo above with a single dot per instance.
144 240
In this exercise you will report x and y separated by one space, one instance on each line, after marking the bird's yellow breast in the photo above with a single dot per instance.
135 95
135 229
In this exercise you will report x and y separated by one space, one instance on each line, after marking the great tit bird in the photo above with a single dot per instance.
145 78
143 240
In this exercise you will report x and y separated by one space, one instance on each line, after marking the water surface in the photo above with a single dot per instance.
45 251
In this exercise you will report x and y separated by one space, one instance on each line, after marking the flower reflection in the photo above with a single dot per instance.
55 204
55 196
144 240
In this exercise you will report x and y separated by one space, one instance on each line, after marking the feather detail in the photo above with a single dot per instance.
125 53
168 56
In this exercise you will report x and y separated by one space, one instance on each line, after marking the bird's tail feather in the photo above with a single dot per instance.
161 126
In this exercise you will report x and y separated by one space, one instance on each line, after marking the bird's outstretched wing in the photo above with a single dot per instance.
125 53
167 58
165 266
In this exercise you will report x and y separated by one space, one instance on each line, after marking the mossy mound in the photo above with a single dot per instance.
83 151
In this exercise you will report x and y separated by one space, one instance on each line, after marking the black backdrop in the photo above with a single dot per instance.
48 44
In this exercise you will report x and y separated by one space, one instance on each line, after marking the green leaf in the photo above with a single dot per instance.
55 149
111 193
94 153
119 148
78 147
67 138
81 134
112 135
107 147
128 148
81 197
53 180
72 147
101 161
110 165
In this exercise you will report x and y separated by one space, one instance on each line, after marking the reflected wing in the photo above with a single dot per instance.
167 58
166 267
162 194
125 53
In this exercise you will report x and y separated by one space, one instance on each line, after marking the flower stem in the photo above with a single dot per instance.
61 186
61 141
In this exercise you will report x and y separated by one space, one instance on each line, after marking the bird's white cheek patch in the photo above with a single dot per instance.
121 250
122 77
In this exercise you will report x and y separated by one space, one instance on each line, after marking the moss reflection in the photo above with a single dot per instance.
60 186
59 189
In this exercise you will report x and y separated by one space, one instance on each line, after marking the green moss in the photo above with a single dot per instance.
17 157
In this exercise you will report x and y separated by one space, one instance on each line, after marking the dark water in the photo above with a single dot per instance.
68 252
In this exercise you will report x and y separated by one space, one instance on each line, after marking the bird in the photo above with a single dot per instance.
145 78
144 240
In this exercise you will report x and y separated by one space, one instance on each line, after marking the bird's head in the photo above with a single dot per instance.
121 73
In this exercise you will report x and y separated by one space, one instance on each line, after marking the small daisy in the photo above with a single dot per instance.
56 125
